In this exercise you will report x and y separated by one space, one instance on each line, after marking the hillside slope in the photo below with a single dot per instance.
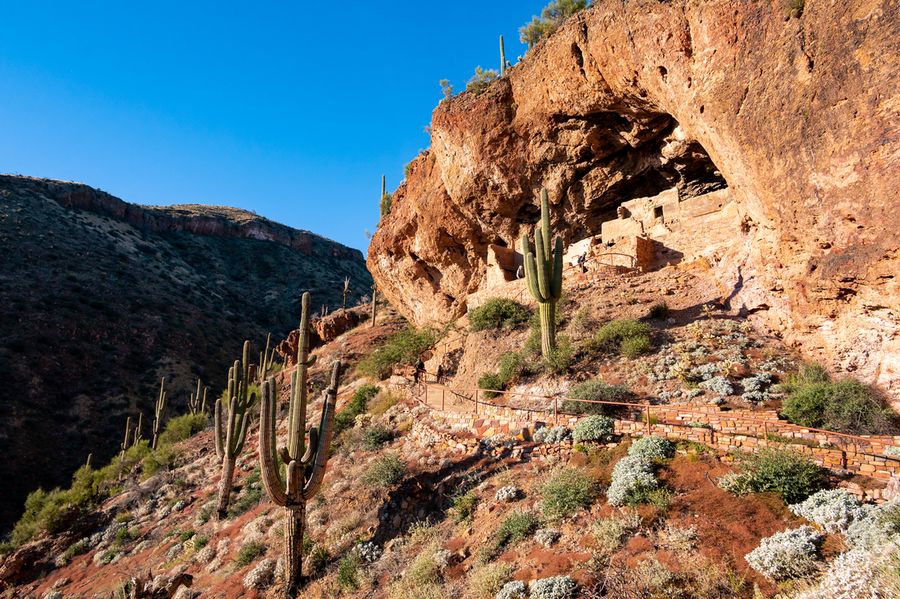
795 118
101 298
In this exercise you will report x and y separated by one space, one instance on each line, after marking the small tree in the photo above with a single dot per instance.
481 80
552 16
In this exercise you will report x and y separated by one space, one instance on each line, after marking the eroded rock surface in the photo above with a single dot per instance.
796 117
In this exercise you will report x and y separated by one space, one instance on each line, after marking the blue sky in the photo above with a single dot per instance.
268 106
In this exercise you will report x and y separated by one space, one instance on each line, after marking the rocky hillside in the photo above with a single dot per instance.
794 116
102 298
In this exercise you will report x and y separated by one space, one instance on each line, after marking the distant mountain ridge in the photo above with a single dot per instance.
101 298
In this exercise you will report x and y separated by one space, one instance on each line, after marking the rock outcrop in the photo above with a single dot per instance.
797 117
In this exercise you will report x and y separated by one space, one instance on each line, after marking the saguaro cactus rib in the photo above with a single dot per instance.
305 464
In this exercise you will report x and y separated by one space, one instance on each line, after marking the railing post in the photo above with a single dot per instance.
647 409
555 410
443 394
843 460
476 402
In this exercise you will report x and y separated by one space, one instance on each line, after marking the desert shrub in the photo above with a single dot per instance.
845 406
514 589
832 509
383 402
556 434
183 427
348 572
787 554
376 436
547 536
632 477
859 574
516 527
384 471
249 553
567 491
555 587
652 448
628 337
250 494
879 526
318 559
384 204
346 417
498 314
561 357
781 471
593 428
609 533
718 384
481 80
594 390
552 16
507 493
403 347
487 580
491 383
464 506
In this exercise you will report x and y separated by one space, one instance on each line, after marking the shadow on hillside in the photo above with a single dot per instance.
429 494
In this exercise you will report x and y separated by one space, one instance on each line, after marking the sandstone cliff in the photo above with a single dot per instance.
796 117
101 298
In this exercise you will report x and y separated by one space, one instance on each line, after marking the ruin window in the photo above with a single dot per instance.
657 212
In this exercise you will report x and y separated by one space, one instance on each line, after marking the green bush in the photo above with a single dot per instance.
348 572
375 437
629 337
512 366
516 527
346 417
250 495
498 314
481 80
659 311
403 347
567 491
781 471
845 406
552 16
183 427
384 471
248 553
318 559
593 428
464 505
594 390
560 357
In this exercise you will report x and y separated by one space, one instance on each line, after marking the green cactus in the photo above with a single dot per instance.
126 443
197 402
137 430
346 291
160 408
543 274
502 57
231 429
305 463
266 359
374 301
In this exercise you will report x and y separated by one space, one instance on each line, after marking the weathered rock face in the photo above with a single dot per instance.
797 117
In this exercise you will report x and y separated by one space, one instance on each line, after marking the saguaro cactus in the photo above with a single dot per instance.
231 429
138 428
374 301
160 408
305 463
346 291
502 57
266 358
197 403
543 274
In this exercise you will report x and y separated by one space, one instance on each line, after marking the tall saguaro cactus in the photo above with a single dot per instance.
305 462
543 274
374 301
231 428
502 57
346 291
266 359
160 408
197 403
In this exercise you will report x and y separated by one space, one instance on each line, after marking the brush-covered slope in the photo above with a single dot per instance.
101 298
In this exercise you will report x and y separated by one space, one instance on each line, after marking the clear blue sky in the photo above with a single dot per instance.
292 112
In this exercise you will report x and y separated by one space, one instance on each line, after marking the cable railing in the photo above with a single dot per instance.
773 431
